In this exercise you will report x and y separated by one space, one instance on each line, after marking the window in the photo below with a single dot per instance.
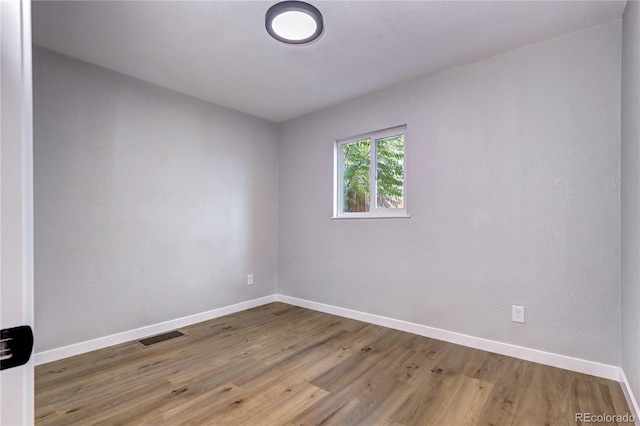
366 188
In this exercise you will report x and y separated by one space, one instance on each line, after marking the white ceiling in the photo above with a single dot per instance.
220 51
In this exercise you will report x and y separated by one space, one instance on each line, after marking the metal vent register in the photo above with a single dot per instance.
148 341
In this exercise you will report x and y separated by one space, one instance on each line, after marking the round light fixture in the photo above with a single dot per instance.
294 22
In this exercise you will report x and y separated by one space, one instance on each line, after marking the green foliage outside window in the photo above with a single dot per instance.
389 174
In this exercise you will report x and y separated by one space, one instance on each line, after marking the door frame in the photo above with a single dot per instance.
16 201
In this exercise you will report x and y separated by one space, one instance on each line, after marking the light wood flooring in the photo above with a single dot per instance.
283 365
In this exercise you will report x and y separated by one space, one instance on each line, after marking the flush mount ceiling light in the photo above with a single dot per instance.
294 22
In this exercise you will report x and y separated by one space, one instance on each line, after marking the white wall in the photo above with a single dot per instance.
630 196
149 205
513 182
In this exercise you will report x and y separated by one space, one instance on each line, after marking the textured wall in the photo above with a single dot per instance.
630 195
513 181
149 205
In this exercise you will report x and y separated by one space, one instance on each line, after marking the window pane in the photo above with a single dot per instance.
357 163
390 172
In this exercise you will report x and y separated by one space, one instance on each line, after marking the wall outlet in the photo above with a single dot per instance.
517 313
250 279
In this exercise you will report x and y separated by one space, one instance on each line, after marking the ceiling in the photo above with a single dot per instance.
220 51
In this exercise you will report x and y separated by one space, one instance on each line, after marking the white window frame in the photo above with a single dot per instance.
338 181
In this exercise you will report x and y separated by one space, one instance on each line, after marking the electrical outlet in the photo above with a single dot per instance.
250 279
517 313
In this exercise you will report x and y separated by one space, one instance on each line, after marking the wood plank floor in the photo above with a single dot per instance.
283 365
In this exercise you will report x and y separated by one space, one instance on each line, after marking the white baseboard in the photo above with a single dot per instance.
628 394
115 339
561 361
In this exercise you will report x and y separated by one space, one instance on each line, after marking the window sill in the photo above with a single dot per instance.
366 216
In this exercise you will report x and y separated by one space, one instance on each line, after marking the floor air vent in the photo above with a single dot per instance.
160 338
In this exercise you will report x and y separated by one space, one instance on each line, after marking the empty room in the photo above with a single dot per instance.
323 212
